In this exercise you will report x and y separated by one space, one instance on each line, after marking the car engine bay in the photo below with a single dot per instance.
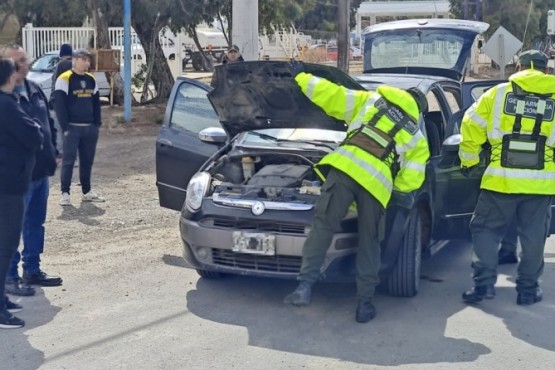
277 177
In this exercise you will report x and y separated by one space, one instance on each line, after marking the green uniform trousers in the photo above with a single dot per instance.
338 193
492 216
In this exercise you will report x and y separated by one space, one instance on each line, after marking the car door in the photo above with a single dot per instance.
179 151
455 195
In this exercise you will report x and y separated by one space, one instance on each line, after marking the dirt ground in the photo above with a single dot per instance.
123 173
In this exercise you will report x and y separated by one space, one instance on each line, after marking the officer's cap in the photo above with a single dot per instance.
533 58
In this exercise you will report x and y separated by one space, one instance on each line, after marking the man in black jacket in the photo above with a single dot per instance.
33 101
20 137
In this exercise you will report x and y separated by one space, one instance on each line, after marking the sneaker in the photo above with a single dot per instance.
91 196
19 288
13 307
9 321
65 200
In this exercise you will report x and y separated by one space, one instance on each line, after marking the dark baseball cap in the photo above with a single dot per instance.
533 58
82 53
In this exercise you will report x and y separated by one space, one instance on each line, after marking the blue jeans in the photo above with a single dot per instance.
80 139
36 200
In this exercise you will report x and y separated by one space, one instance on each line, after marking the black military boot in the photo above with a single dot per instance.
477 293
528 298
300 296
365 311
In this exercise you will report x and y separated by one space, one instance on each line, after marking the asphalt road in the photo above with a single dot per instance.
128 303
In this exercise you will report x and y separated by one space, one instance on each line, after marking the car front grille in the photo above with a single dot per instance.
253 225
285 264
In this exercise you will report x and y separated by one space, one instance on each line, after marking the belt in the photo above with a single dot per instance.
80 124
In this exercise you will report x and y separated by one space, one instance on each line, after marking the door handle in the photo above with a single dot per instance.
165 142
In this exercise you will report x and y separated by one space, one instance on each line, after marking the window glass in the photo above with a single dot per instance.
46 63
452 100
192 110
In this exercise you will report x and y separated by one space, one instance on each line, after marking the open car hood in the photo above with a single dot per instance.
263 94
436 47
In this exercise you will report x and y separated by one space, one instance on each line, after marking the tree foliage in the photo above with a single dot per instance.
512 15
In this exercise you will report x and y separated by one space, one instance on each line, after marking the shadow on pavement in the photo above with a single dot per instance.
534 324
406 330
16 351
86 213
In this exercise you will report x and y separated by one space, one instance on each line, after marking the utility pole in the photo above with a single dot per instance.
245 27
127 60
343 7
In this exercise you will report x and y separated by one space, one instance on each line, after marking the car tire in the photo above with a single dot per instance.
209 274
404 279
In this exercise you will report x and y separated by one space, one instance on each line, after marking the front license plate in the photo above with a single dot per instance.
255 243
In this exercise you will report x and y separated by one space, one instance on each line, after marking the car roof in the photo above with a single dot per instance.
459 24
402 81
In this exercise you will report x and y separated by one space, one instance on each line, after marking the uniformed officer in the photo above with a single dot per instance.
383 131
517 119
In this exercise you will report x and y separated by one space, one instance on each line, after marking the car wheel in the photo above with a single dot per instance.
209 274
404 279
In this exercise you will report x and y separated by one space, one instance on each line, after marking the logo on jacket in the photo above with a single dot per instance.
530 107
83 84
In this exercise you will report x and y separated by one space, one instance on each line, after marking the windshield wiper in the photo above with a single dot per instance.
278 140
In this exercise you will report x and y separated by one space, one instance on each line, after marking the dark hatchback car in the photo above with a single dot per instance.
237 160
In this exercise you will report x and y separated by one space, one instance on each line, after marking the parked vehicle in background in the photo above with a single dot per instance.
42 69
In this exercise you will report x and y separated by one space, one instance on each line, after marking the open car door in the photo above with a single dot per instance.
179 150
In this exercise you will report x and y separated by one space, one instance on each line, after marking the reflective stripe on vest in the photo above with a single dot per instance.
415 166
476 118
522 174
468 156
496 132
371 170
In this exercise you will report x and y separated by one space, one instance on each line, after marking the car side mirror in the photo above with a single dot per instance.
452 143
215 135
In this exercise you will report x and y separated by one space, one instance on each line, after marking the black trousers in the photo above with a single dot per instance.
493 214
338 194
80 139
11 222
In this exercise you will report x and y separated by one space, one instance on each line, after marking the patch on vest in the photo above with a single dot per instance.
398 116
530 107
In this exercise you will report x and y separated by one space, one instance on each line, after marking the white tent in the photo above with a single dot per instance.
369 12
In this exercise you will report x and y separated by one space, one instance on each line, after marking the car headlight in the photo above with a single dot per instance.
196 190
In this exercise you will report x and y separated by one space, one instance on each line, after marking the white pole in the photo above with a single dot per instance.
245 27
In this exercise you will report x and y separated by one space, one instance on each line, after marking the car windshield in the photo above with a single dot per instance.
414 48
299 137
46 63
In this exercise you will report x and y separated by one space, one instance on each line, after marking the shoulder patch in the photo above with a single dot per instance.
400 118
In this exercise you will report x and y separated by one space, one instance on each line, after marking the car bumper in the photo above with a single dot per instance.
210 248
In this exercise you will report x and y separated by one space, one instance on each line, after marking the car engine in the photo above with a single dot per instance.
276 177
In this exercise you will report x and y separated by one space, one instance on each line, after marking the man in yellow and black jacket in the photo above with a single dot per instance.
383 133
517 119
77 106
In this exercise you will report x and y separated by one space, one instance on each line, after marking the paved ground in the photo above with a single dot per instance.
127 302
